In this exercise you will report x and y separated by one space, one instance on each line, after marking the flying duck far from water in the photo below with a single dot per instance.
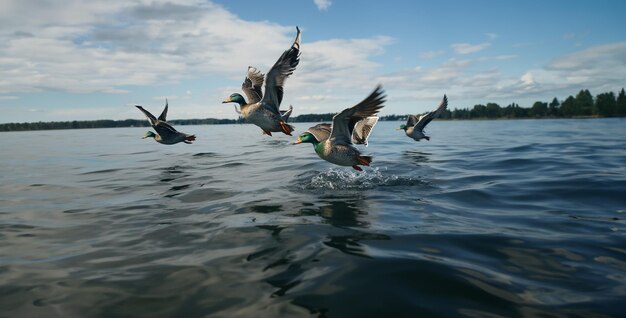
338 148
264 110
414 127
165 133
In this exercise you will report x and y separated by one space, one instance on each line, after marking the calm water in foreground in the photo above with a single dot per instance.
523 218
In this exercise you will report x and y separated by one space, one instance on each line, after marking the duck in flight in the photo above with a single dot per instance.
360 133
165 133
414 127
264 110
337 145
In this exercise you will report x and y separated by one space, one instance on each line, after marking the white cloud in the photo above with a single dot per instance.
466 48
322 5
527 79
497 57
492 36
115 46
430 54
141 43
118 46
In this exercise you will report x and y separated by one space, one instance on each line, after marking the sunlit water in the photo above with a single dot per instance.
521 218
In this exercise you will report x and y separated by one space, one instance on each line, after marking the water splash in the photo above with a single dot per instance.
344 179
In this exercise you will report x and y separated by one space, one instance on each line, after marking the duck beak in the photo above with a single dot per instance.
144 137
228 100
299 141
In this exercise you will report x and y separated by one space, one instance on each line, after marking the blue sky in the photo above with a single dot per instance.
83 60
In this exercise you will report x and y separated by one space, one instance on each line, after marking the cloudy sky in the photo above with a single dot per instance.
94 59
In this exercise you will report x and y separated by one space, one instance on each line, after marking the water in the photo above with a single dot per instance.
488 219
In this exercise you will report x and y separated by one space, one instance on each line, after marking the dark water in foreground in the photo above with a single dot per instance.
488 219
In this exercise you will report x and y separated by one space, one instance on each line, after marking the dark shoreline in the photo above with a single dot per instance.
126 123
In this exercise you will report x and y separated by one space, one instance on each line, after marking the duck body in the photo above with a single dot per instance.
180 137
335 143
268 120
165 133
414 127
416 134
340 154
263 107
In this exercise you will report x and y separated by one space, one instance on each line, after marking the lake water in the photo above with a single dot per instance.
523 218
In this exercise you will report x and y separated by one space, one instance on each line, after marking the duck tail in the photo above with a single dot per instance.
190 138
357 168
364 160
286 128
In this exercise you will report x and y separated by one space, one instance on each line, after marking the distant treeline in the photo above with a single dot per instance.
583 105
108 123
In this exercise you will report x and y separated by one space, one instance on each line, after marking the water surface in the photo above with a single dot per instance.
521 218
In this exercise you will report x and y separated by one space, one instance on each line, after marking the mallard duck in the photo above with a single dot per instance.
360 133
338 148
166 134
263 110
414 127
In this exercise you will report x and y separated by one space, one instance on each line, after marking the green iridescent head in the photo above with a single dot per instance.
149 134
403 127
235 98
306 137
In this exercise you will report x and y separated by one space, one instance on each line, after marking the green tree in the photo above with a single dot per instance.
539 109
462 113
605 104
493 110
584 103
479 111
568 107
553 107
514 110
620 104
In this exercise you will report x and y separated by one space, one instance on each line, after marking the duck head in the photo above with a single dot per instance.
306 137
149 134
403 127
235 98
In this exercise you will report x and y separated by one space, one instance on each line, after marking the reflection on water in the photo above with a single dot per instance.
418 157
488 219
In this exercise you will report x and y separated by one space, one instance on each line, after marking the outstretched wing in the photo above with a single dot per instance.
411 121
252 85
362 130
163 115
162 128
165 130
277 75
344 122
428 117
284 114
321 132
153 121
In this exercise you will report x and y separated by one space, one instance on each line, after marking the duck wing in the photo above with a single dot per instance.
252 85
277 75
428 117
411 121
321 132
362 130
162 128
163 115
284 114
153 120
344 122
165 130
